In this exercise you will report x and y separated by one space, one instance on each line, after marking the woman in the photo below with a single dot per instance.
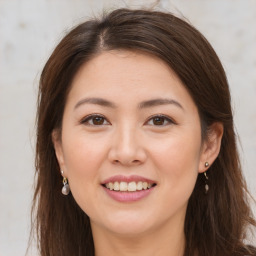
135 128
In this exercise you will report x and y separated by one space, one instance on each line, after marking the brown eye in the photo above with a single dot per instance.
95 120
160 120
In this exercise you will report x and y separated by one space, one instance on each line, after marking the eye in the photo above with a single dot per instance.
95 120
160 120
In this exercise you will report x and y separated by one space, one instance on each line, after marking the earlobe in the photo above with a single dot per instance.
211 146
56 140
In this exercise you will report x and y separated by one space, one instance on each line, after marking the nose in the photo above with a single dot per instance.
127 148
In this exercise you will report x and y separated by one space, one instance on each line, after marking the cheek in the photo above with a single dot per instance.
177 160
83 164
83 158
82 153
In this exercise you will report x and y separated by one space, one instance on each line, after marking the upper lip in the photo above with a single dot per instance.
130 178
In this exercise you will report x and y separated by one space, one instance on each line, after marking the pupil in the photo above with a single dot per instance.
97 120
158 120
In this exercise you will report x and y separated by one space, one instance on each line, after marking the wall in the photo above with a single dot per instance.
29 30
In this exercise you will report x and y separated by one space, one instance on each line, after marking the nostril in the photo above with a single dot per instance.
133 162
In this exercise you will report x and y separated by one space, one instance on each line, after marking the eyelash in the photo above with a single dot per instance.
89 118
86 120
167 120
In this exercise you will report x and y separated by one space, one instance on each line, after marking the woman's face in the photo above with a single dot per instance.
130 143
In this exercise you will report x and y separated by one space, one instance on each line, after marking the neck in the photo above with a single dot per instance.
161 242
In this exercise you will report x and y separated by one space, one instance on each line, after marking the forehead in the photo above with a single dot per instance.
123 65
125 75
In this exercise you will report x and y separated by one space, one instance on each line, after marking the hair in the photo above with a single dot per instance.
216 223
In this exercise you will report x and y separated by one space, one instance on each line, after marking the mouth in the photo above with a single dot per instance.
128 189
132 186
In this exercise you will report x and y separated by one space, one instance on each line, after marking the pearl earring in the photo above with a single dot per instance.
206 186
65 189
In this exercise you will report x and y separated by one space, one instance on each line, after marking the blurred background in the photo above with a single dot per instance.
29 31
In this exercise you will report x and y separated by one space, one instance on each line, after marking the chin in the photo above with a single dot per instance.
130 229
125 224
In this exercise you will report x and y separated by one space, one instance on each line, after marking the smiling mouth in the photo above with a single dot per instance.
132 186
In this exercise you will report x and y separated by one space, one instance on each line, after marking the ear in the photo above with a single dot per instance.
56 140
211 146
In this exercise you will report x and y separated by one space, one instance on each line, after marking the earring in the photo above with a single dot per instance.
206 186
65 189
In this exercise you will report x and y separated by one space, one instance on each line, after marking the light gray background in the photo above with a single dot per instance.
29 30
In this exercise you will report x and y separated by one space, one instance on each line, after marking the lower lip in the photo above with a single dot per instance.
128 196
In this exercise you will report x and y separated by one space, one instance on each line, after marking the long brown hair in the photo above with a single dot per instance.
216 224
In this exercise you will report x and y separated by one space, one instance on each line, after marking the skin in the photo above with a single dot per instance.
128 140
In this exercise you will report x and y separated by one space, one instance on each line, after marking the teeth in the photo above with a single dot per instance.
131 186
116 186
144 185
139 185
123 186
150 185
111 185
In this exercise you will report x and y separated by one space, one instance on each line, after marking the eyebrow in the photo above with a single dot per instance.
96 101
157 102
142 105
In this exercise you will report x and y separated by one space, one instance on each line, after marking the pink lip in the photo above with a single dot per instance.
128 196
131 178
122 196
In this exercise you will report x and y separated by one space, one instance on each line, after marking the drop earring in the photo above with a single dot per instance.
206 186
65 189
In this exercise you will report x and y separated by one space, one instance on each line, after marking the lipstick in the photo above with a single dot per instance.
128 188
